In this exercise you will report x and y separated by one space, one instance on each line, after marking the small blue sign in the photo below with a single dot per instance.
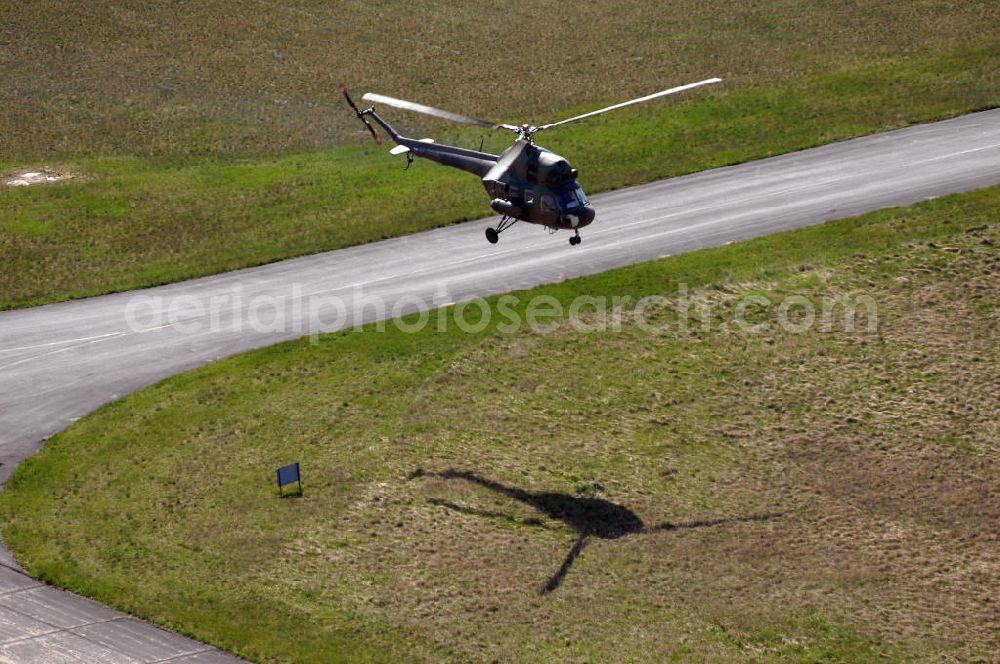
289 475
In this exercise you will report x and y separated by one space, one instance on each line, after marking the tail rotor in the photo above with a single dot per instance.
359 113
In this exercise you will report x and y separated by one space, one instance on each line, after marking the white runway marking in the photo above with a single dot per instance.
59 343
95 340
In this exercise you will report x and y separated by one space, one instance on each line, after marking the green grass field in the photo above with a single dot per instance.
141 78
210 138
738 495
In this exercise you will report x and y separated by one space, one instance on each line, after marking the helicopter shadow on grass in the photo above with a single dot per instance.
587 517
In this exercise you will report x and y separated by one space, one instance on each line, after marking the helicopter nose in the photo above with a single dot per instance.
580 217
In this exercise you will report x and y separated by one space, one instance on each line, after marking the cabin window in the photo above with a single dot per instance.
529 196
532 166
496 189
548 204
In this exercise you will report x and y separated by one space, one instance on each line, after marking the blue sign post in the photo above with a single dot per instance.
289 475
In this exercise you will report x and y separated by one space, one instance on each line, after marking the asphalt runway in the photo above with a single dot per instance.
60 362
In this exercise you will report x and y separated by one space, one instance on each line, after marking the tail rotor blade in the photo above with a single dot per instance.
343 91
374 133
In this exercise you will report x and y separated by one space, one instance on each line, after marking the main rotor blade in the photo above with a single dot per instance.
655 95
430 110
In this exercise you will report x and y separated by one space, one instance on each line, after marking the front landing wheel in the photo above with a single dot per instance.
575 240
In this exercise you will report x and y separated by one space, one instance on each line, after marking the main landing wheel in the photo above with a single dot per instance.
492 236
575 240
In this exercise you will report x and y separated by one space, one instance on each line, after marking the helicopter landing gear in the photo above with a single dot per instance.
493 234
575 240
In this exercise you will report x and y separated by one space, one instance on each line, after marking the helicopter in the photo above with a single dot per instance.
526 182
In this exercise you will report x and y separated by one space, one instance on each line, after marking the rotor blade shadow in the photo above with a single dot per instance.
707 523
556 579
485 513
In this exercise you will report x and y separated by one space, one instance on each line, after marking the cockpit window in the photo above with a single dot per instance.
568 199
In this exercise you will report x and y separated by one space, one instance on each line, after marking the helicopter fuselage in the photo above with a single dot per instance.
525 182
536 185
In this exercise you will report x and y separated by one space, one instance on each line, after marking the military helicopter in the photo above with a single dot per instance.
526 182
